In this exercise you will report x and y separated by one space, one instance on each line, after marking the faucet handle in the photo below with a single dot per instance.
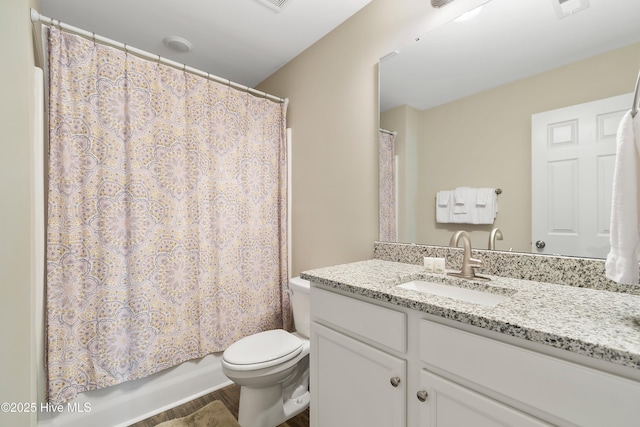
476 262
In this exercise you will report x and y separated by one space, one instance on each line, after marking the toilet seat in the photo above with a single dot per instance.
262 350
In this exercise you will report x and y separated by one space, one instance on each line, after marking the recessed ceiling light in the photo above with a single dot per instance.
178 44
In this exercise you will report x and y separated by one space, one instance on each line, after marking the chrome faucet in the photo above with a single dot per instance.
495 234
468 263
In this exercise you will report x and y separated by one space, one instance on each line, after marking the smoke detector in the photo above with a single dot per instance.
275 5
178 44
565 8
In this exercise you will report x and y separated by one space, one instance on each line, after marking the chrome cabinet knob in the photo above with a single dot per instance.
395 381
540 244
422 395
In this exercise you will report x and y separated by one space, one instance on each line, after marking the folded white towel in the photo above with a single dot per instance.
465 206
462 197
443 206
622 261
443 215
443 198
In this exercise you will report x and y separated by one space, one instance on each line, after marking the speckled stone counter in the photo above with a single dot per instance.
596 323
561 270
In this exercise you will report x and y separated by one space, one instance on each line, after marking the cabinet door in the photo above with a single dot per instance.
448 404
351 383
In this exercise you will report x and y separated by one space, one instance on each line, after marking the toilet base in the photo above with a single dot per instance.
263 407
272 405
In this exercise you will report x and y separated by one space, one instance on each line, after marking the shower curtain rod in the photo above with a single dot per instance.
390 132
37 17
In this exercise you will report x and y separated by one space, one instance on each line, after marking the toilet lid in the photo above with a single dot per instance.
263 347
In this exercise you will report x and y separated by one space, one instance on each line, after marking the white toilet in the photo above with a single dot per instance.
272 367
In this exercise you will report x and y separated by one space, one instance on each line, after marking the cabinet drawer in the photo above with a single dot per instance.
568 393
381 325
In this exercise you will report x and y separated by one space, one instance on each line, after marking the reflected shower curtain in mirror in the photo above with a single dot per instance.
387 187
166 217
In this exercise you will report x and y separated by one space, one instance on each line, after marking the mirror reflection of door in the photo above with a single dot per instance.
572 160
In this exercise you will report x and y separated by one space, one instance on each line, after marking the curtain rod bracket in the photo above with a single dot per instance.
35 15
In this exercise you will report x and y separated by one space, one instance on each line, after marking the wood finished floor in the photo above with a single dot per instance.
230 396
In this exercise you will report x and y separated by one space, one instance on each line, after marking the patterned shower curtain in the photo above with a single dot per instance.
387 187
167 219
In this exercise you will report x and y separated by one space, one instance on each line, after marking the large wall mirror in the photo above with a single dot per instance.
461 100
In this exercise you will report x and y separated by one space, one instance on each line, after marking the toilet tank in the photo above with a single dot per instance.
300 289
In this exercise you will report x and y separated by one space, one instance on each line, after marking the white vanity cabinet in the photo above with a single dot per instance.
445 376
354 383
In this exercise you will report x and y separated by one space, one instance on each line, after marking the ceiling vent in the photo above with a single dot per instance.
439 3
275 5
566 8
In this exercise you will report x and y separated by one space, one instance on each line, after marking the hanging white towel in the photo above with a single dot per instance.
486 206
622 262
483 215
485 196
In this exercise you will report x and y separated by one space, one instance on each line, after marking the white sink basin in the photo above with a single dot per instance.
455 292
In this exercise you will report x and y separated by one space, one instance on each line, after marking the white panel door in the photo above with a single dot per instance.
351 383
572 157
448 404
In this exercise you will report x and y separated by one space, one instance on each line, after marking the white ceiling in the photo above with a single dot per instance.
509 40
241 40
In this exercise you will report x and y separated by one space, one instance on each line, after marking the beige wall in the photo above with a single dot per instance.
333 113
17 354
485 141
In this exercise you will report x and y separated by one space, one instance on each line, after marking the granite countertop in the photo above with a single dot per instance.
596 323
